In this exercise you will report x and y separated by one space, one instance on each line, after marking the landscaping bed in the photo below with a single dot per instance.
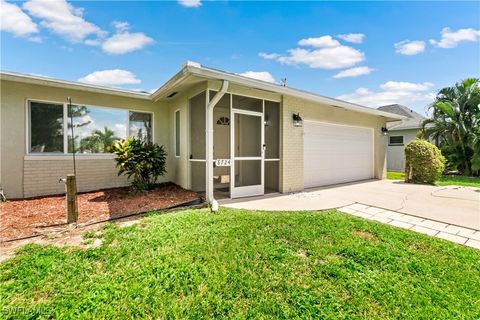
241 264
29 217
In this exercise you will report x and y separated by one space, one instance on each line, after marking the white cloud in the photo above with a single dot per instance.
121 25
63 18
326 53
260 75
113 77
15 21
190 3
354 72
124 41
325 58
450 39
352 37
409 48
320 42
392 92
269 56
406 86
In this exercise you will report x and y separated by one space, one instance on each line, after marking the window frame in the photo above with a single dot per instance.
66 131
177 152
396 144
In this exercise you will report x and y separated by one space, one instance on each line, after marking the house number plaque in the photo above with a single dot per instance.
223 162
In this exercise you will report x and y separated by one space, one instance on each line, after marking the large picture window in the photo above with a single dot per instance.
140 125
95 129
46 127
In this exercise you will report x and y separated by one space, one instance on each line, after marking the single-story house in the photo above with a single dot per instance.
224 134
400 134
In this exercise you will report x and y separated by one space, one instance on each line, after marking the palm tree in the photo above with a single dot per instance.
454 125
99 141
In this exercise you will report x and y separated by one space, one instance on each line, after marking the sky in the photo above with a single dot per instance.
371 53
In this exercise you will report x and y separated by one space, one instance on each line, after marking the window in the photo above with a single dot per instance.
223 121
46 127
95 129
396 141
177 133
140 126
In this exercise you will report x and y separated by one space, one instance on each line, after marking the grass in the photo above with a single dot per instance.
392 175
443 181
245 264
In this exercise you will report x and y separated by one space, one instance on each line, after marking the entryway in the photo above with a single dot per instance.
246 136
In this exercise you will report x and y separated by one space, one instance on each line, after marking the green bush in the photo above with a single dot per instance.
424 162
144 161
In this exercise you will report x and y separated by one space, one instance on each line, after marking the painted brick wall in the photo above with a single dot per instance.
291 171
41 176
291 178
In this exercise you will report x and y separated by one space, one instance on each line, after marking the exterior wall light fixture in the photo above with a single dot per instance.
297 120
384 131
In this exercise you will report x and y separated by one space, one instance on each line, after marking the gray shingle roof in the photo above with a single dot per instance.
414 120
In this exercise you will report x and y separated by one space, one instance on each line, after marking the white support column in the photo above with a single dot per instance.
209 142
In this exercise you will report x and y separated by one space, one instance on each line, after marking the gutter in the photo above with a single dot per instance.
209 145
197 69
44 81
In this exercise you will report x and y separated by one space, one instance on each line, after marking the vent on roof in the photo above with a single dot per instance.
172 94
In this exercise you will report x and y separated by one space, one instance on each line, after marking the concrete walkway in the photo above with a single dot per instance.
460 235
449 206
452 205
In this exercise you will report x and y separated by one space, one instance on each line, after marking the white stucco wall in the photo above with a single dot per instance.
396 153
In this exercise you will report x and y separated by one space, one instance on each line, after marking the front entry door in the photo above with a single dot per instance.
247 153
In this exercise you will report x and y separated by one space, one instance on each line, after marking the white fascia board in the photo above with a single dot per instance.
170 85
31 79
267 86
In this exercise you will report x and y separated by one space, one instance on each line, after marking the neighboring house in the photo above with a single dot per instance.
248 131
400 134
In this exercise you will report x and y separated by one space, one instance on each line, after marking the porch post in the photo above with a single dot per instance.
209 143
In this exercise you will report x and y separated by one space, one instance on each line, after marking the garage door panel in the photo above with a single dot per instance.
336 154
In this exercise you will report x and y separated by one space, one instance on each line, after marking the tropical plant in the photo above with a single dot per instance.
424 162
143 161
455 125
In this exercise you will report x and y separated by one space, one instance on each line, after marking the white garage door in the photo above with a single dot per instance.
336 154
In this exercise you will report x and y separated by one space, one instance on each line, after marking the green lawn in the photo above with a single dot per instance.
392 175
443 181
242 264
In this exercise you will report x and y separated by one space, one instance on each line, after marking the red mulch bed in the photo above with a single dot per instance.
28 217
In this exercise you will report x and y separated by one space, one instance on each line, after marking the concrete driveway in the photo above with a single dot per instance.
452 205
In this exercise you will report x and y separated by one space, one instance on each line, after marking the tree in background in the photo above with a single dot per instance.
99 141
455 125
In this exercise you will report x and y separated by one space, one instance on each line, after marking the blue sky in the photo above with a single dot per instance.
371 53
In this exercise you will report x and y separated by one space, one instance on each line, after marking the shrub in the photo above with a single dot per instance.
144 161
424 162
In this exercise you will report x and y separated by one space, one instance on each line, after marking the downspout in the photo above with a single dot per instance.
209 146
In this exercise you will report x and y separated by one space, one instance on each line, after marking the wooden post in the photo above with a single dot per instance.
71 198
